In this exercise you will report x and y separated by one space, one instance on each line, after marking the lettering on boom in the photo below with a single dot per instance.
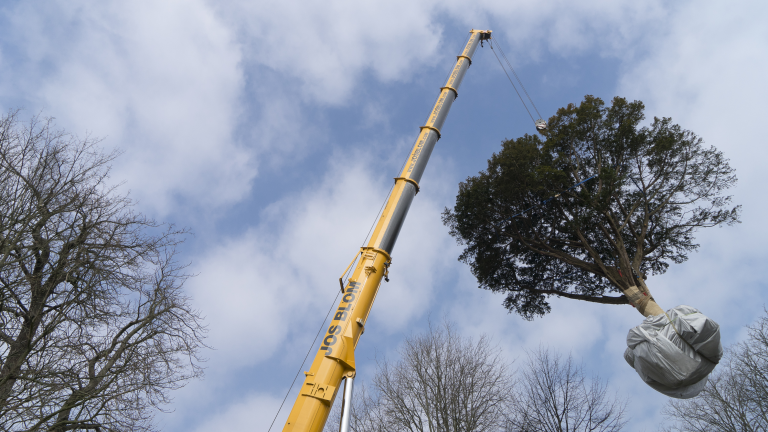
423 136
455 73
438 107
350 297
466 50
417 152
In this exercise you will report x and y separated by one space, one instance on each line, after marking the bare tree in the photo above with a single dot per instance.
736 398
447 383
94 326
367 415
442 382
554 396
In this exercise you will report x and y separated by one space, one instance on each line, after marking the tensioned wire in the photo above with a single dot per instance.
322 326
503 55
345 276
513 84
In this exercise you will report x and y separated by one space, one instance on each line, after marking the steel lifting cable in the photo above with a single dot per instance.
322 326
376 219
516 77
540 124
511 82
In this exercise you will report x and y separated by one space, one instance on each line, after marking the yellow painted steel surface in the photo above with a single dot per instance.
336 357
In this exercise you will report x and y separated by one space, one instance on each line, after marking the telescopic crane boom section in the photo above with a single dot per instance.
335 359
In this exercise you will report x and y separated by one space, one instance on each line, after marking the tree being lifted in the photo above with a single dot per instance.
590 211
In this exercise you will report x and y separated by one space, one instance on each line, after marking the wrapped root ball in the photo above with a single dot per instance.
675 352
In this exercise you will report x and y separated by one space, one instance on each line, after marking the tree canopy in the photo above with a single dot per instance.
588 212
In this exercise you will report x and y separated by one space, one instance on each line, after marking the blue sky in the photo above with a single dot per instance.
273 130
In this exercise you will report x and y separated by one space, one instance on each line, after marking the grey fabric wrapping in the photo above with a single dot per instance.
674 366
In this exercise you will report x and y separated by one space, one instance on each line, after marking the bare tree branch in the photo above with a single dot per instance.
555 395
735 398
96 329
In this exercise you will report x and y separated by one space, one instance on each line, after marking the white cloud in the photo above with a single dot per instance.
563 27
252 413
166 81
261 291
328 46
286 266
158 80
283 266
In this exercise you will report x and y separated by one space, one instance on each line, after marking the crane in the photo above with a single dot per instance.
335 359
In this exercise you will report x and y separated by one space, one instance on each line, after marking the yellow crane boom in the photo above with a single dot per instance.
335 359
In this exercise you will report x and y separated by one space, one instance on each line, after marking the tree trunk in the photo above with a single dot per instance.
19 350
641 298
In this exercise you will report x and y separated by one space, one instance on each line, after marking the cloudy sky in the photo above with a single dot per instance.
273 130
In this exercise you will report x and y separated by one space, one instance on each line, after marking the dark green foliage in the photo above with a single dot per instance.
654 187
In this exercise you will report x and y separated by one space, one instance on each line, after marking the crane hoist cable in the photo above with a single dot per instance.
540 124
515 74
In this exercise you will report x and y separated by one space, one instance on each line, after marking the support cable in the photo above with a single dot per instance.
510 81
517 77
333 305
322 326
378 214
